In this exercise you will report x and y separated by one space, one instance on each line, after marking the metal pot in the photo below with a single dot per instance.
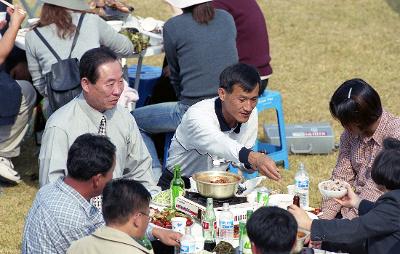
208 187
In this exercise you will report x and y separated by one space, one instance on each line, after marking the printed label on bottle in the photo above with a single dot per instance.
302 184
228 224
206 225
187 248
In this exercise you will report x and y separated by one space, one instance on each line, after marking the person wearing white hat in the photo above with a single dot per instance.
57 24
198 45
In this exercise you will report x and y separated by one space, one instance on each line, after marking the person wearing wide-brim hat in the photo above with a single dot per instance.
57 23
181 4
77 5
198 44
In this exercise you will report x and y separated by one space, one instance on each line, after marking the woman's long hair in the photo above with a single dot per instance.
201 13
60 16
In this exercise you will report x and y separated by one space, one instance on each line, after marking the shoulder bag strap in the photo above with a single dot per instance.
47 44
78 27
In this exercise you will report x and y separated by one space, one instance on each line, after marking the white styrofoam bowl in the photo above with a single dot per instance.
116 24
155 39
280 200
331 193
300 240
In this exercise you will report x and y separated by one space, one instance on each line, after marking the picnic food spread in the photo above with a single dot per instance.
224 248
139 40
163 218
219 179
162 198
99 7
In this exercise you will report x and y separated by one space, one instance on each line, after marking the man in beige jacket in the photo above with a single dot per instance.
126 213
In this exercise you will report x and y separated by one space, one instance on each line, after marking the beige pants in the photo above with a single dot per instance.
12 135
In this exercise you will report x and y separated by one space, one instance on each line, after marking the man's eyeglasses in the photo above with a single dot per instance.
145 214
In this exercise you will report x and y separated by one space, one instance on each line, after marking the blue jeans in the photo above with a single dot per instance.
158 118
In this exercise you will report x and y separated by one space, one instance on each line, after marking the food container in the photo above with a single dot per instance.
301 237
116 24
178 224
334 193
280 200
3 15
155 39
217 184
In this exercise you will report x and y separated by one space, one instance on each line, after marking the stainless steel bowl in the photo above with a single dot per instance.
207 187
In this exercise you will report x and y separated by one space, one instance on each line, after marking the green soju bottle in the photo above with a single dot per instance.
177 185
244 242
209 224
145 242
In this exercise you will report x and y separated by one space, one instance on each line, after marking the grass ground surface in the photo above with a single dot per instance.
315 46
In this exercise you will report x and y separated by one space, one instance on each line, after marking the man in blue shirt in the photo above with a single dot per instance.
61 212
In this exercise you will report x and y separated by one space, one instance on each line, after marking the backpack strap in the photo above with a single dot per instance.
73 42
47 44
78 27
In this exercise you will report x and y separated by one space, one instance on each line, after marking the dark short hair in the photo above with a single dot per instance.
122 198
386 167
201 13
272 229
356 102
92 60
89 155
244 75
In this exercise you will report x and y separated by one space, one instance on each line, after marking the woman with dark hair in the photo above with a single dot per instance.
378 222
199 44
57 23
357 106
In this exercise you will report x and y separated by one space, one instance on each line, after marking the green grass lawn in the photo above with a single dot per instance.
315 46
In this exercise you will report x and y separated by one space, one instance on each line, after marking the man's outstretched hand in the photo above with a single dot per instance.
264 165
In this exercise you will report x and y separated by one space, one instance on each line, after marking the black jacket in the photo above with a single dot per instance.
379 224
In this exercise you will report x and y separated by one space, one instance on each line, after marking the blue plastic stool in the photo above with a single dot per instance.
273 100
270 100
149 76
167 144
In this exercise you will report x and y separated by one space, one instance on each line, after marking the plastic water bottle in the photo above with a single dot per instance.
226 224
302 184
188 243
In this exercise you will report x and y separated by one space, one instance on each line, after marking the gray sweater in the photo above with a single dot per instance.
94 32
197 54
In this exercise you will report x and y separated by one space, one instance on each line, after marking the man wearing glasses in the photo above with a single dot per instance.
126 213
61 212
